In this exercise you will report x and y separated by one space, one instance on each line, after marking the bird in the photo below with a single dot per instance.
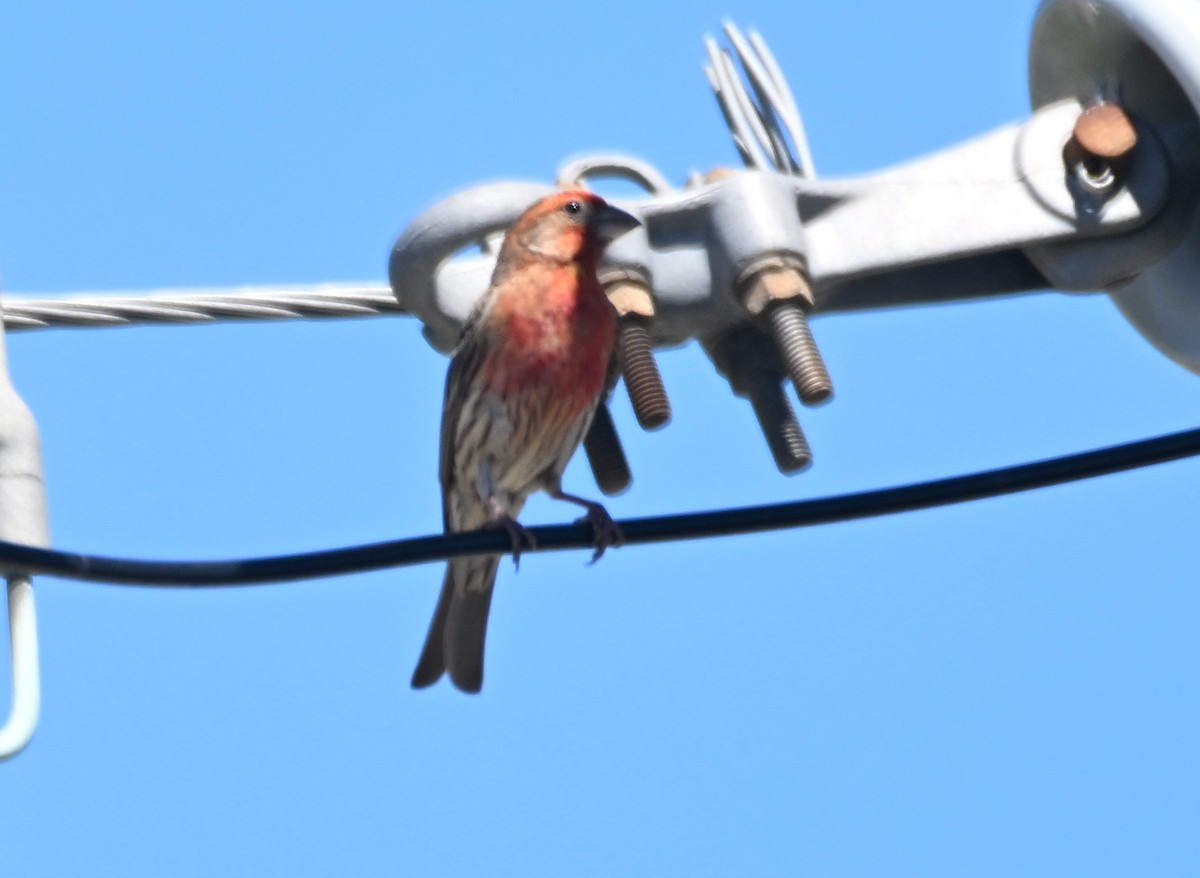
535 358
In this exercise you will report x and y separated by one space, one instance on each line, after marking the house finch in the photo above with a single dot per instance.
535 358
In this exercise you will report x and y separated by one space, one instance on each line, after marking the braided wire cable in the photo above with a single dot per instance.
757 104
332 300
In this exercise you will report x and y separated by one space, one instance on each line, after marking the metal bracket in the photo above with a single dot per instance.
1010 211
877 241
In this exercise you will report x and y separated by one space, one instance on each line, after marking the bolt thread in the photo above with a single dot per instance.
789 328
779 425
642 378
605 454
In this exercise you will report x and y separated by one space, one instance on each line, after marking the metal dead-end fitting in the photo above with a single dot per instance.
23 519
776 290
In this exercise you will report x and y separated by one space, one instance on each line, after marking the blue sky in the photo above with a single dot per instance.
1007 687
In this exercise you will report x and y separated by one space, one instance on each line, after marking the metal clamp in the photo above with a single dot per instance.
1057 200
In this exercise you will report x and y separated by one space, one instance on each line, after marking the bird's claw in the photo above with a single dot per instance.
519 535
606 532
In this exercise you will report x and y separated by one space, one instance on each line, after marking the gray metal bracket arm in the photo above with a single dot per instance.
1004 197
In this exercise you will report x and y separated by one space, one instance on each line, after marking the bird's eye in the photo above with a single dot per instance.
573 207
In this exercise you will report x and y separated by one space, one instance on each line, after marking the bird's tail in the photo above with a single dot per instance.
459 627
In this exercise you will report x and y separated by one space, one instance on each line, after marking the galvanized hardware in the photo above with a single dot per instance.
605 454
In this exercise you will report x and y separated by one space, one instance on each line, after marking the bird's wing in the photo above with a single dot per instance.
462 380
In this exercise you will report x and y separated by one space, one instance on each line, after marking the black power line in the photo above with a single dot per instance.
695 525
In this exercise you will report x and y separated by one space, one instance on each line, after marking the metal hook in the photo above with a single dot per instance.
26 676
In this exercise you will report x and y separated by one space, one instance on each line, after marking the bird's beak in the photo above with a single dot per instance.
613 222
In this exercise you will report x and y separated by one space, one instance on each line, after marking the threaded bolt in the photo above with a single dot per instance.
629 293
642 378
784 436
776 290
751 362
801 358
605 454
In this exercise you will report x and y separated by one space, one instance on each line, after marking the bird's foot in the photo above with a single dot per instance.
518 535
606 531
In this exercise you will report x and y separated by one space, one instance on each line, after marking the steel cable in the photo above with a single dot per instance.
200 306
